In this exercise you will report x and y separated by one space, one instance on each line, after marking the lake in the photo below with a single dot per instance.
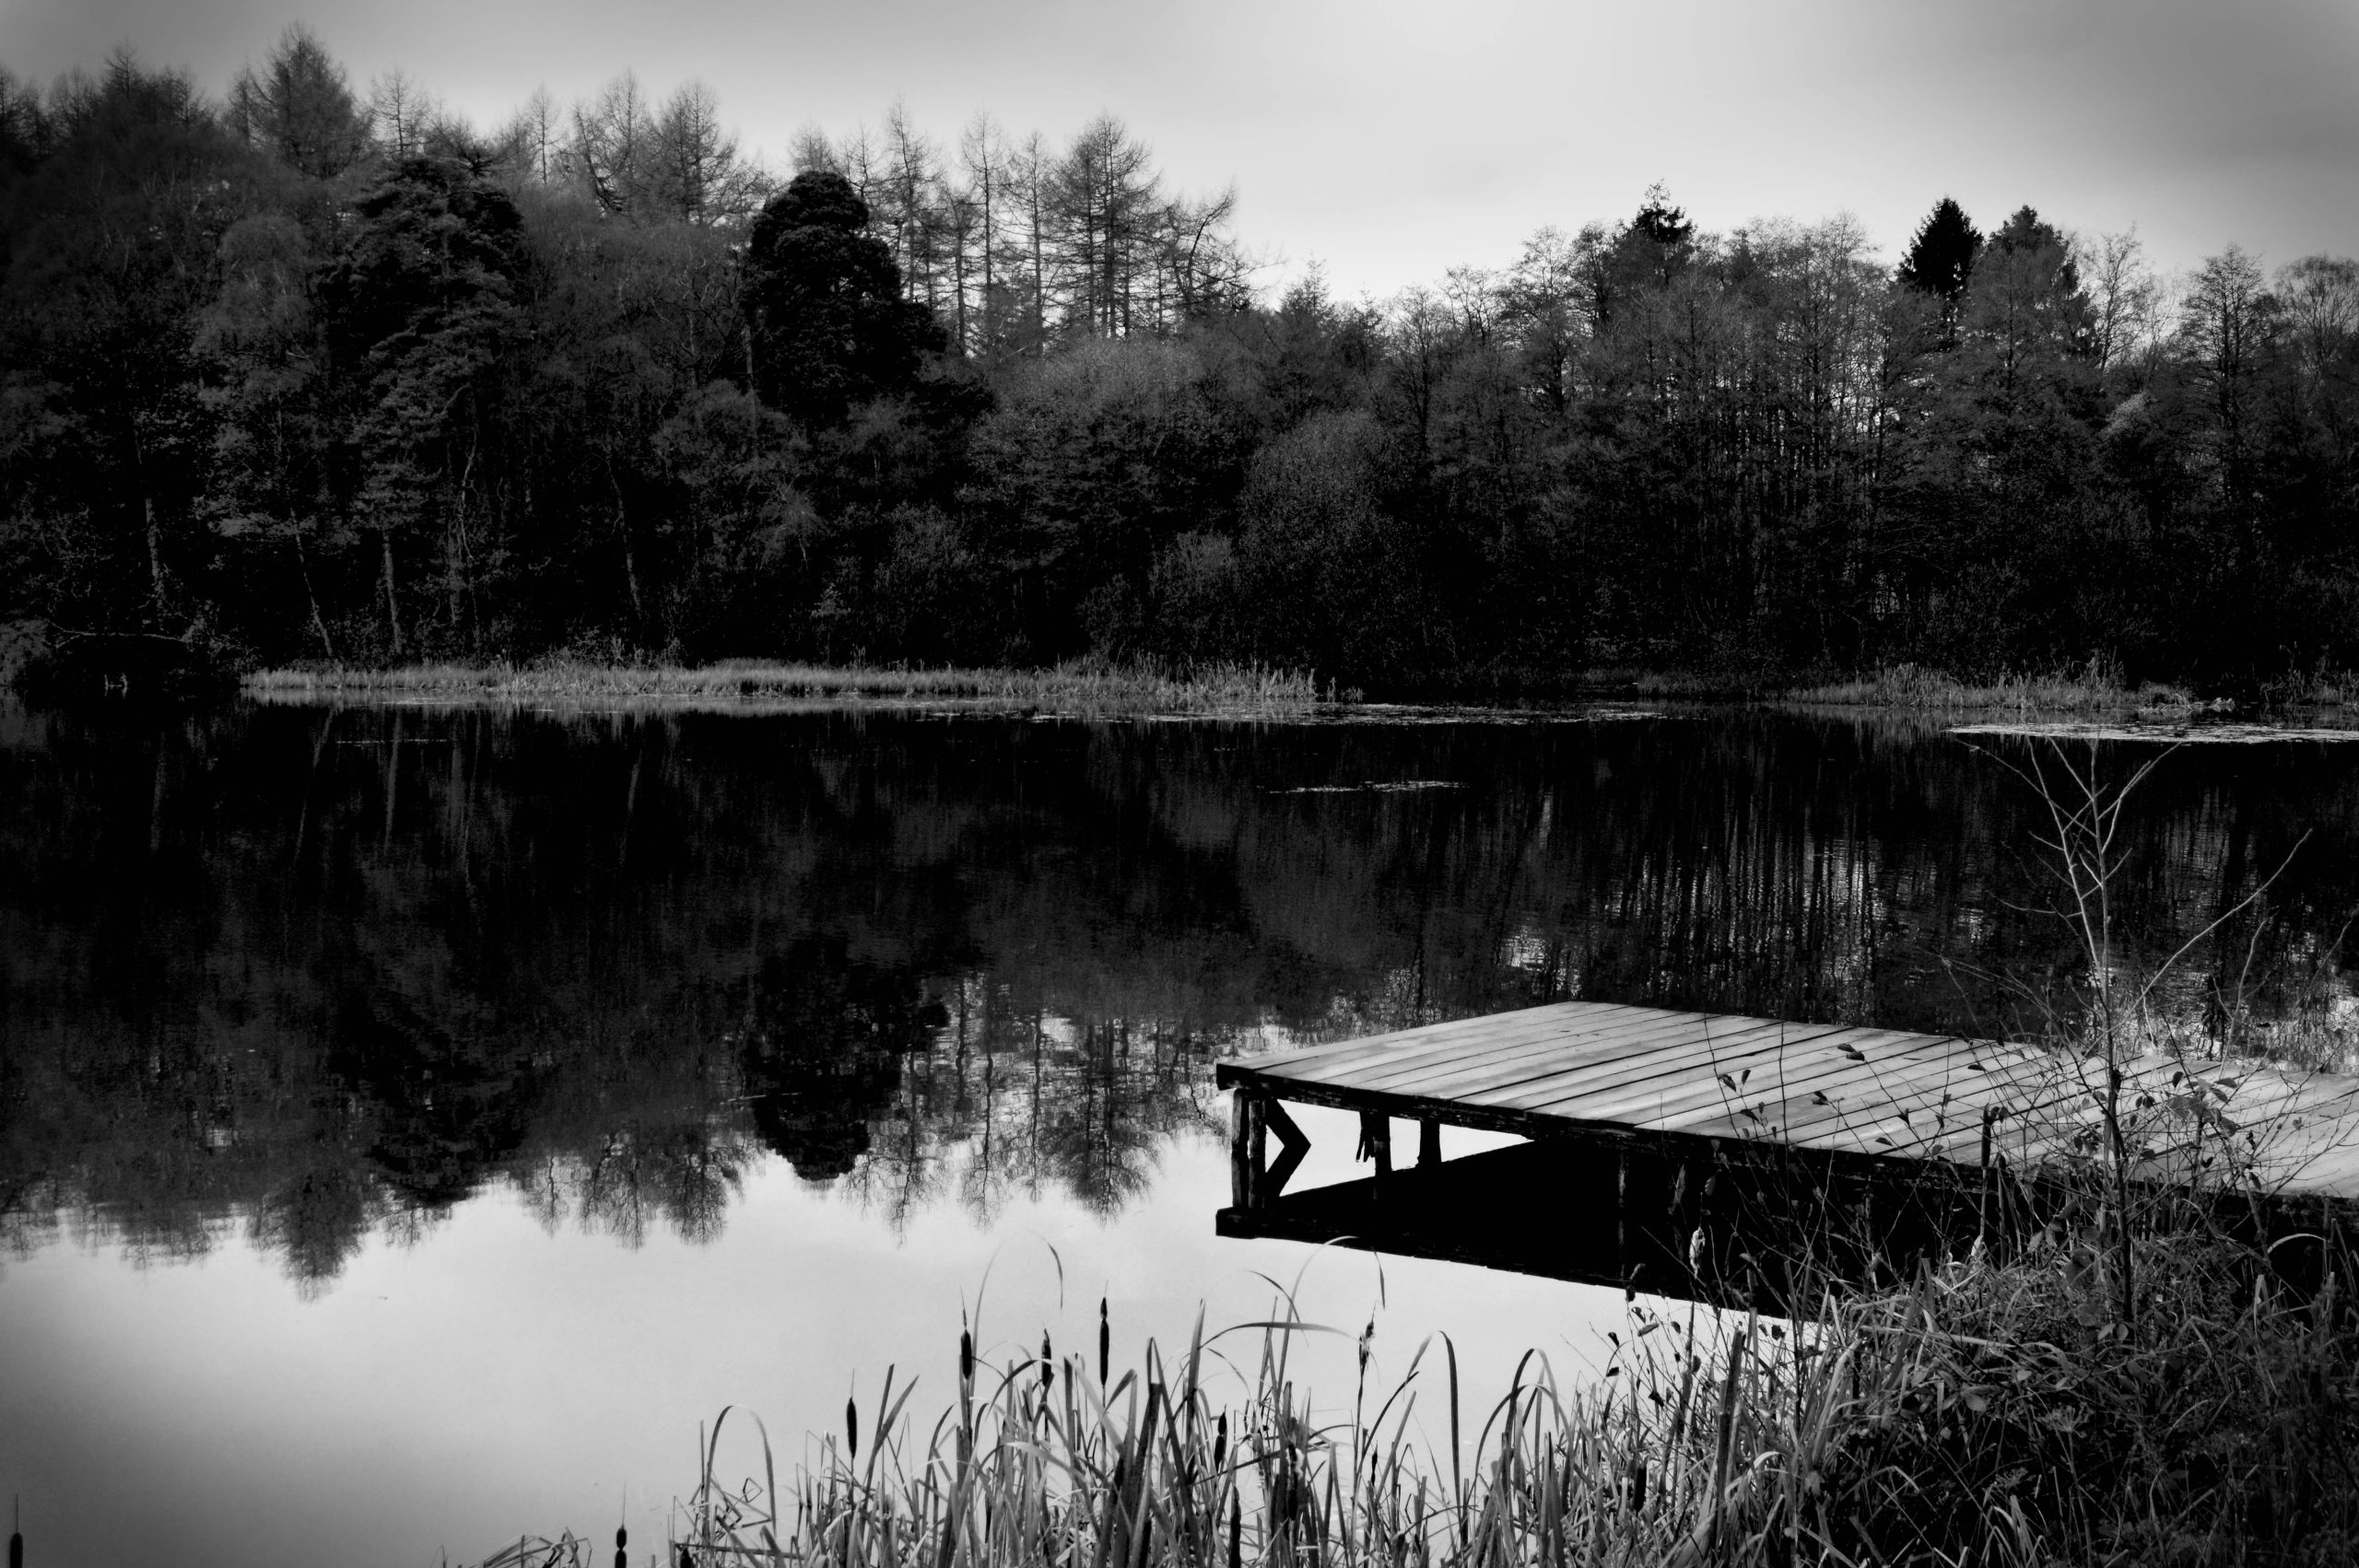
415 1122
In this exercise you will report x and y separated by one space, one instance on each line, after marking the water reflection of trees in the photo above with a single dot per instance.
331 974
1010 1102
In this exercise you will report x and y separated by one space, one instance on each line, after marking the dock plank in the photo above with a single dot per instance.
1555 1032
1564 1017
1731 1050
1641 1052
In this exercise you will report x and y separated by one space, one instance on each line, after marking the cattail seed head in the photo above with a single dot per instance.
1048 1365
1105 1339
851 1427
1220 1439
966 1356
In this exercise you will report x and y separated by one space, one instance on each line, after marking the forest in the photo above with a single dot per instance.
314 371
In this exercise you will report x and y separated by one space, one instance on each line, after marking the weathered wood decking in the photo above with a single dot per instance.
1572 1067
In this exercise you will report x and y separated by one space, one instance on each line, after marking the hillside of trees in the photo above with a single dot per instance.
313 371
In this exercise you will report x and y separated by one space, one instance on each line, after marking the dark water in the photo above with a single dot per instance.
413 1123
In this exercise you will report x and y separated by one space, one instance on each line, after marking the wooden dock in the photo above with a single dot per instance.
1707 1080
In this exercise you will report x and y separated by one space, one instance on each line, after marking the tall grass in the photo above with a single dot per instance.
1978 1413
2096 688
1075 687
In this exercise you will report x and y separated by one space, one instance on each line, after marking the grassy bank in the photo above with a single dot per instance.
2095 690
1078 688
1096 686
1978 1414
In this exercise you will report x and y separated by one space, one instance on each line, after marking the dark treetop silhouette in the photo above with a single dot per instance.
272 388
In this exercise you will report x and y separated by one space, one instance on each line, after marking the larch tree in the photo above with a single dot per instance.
2320 296
2024 307
404 113
983 159
299 107
694 173
1105 200
613 145
2228 323
533 140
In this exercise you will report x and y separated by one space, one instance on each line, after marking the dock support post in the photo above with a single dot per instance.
1253 1182
1292 1145
1376 1142
1429 1141
1621 1219
1249 1140
1982 1206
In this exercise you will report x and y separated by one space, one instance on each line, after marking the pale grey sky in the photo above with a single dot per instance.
1393 140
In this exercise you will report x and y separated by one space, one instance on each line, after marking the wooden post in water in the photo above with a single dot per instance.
1376 1142
1982 1209
1622 1215
1248 1141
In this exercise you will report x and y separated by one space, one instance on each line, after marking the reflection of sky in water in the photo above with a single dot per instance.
489 1112
493 1375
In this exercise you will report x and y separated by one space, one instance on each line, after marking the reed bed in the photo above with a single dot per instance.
1081 687
1978 1413
2096 689
2322 687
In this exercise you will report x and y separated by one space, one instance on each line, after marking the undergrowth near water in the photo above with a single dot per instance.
1076 687
2321 687
2094 689
1978 1413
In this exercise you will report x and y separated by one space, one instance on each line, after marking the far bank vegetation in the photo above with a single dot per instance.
980 397
1080 687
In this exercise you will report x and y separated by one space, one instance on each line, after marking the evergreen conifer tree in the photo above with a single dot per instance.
1942 254
823 301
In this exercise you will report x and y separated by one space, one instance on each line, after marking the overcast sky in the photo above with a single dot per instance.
1392 141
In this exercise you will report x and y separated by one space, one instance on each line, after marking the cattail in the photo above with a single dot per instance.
1048 1365
1105 1341
1220 1439
966 1356
622 1539
851 1427
1236 1532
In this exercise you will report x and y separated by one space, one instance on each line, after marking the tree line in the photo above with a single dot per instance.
309 373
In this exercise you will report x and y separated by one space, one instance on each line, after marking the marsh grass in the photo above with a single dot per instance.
1978 1413
2094 689
2319 689
1209 689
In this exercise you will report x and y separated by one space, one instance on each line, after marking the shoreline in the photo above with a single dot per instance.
2062 707
1211 691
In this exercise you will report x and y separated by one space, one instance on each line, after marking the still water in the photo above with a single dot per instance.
414 1123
